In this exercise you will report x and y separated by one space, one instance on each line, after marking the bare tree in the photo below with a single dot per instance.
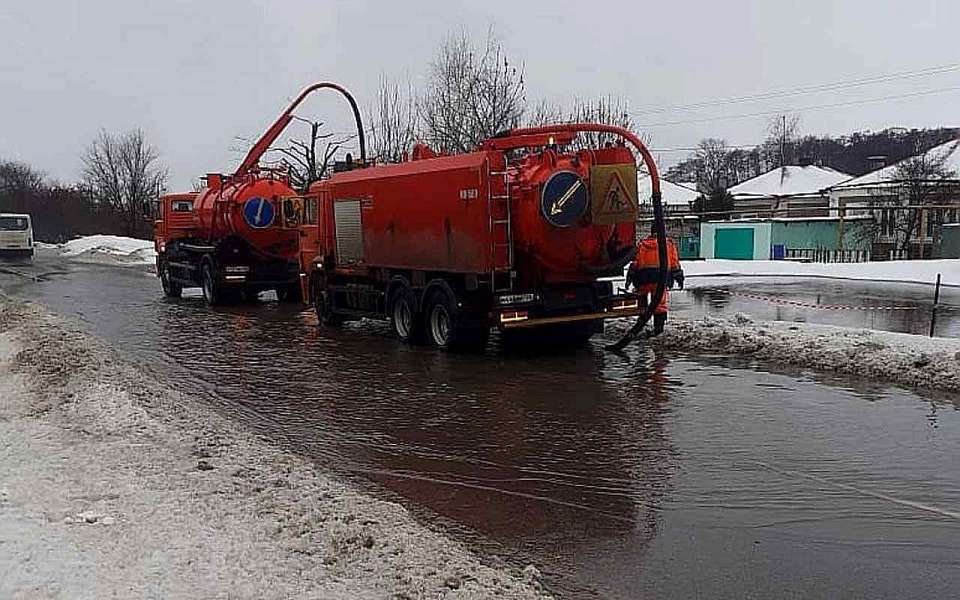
395 122
18 178
921 180
713 166
301 157
606 110
123 172
715 170
471 95
780 147
545 113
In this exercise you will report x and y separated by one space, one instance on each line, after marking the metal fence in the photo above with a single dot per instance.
824 255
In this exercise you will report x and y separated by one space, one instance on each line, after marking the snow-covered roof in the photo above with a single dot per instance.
793 219
886 174
789 181
673 194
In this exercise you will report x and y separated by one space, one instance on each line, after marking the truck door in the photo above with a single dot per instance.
300 213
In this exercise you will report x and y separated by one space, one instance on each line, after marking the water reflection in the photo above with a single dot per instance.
720 296
537 450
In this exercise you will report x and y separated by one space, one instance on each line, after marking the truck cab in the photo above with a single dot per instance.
16 235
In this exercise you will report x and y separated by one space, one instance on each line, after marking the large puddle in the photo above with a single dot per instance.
901 308
619 476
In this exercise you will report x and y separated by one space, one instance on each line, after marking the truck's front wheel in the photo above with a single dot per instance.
321 304
212 290
171 288
289 293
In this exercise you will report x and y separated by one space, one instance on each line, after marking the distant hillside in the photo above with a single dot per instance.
852 153
855 154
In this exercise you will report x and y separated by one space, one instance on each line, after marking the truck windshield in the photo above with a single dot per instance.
13 223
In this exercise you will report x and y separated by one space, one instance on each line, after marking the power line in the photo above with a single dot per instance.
695 148
803 108
824 87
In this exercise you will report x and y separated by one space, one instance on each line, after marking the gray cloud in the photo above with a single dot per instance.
196 74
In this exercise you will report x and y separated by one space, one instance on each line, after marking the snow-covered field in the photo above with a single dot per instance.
110 249
896 271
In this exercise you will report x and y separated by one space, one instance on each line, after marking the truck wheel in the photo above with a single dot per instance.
407 322
289 293
171 289
321 305
444 328
212 291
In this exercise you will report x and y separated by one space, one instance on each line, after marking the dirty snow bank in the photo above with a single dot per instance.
899 271
115 486
878 355
110 249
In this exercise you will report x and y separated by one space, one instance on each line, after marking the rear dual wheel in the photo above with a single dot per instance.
446 328
405 316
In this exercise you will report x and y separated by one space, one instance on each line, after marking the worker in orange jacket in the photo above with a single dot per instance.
644 273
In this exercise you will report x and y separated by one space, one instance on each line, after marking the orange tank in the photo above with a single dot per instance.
247 207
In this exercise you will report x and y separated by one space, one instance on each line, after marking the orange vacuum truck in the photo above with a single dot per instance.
524 234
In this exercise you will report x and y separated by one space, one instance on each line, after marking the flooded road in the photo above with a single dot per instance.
662 476
773 298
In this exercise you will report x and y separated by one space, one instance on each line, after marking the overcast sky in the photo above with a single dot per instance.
195 74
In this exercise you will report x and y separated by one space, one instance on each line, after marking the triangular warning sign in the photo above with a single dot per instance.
617 197
614 198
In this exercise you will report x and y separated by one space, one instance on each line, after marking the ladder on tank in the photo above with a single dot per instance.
500 227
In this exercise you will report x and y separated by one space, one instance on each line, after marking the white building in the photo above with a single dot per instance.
682 225
789 191
677 198
880 193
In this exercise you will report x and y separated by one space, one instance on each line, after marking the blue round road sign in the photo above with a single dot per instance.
564 199
258 212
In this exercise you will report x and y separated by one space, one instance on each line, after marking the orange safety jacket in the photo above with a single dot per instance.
646 266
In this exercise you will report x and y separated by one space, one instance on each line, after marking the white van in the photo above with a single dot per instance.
16 235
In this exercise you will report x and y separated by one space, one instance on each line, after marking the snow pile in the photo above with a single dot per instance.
188 486
898 271
789 181
111 249
878 355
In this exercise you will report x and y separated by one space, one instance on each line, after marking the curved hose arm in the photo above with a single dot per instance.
252 158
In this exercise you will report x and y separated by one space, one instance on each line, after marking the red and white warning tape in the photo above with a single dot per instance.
776 300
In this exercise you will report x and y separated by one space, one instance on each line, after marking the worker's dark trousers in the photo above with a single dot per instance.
659 320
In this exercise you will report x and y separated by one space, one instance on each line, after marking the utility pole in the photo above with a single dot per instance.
783 140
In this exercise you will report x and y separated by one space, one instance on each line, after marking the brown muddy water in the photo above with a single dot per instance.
642 475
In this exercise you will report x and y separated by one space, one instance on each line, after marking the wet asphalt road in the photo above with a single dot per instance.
662 476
